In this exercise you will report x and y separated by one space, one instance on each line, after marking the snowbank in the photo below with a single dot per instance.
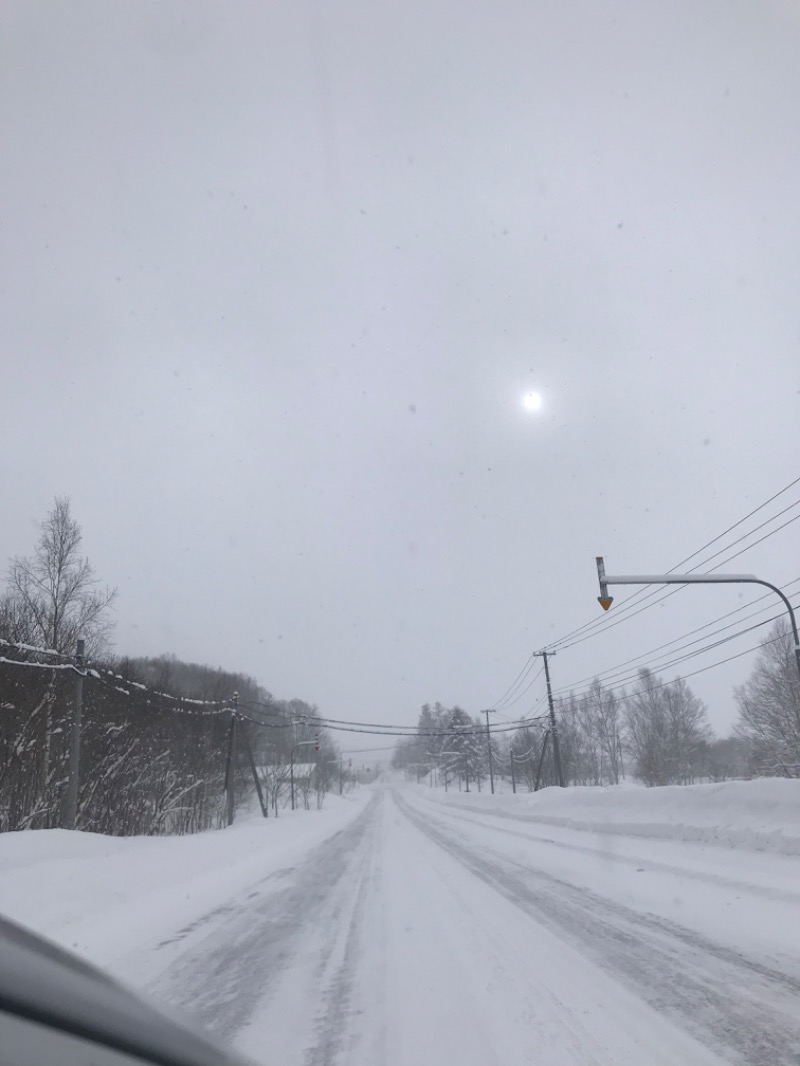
107 897
758 815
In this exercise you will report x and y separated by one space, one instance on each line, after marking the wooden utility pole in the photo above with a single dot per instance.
489 746
541 761
230 764
73 779
553 726
249 749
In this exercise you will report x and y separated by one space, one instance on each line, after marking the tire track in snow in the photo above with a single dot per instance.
535 826
727 1001
238 964
335 1012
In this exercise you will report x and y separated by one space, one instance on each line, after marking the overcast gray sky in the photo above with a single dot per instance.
277 275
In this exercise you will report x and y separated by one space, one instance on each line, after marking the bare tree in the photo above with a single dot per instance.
603 726
729 758
52 599
769 706
54 596
666 727
17 623
275 782
689 731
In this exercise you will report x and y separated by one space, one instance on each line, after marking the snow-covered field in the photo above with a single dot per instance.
402 925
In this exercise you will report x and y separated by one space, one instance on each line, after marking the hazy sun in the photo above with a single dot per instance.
532 401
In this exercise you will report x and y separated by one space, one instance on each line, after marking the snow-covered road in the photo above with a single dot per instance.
426 933
416 928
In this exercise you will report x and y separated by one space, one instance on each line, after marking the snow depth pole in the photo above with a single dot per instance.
71 805
489 746
553 726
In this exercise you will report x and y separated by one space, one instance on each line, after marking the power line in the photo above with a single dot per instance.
610 671
476 732
662 594
591 627
184 705
658 594
704 669
527 688
140 687
368 751
99 674
525 669
631 676
37 666
713 666
397 730
377 730
21 646
595 622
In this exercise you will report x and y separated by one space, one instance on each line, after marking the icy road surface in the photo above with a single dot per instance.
426 933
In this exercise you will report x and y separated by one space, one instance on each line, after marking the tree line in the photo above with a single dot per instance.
156 731
656 731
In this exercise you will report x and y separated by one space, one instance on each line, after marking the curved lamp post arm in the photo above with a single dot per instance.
693 579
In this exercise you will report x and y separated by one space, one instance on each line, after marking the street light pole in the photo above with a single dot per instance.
693 579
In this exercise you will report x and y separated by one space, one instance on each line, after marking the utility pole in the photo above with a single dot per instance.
489 746
553 726
541 761
71 805
513 779
249 749
230 764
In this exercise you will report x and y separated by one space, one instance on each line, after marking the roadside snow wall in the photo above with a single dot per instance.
759 815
